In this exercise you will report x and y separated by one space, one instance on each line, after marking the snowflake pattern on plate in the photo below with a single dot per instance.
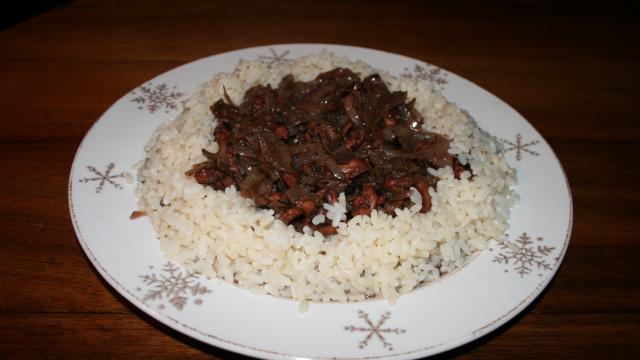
157 97
523 255
103 177
173 284
274 58
428 72
520 147
372 329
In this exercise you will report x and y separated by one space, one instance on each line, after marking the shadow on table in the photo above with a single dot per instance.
478 343
224 354
168 331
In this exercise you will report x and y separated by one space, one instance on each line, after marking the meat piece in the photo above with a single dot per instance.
351 105
366 201
290 179
326 229
398 184
225 112
389 120
291 214
422 185
137 214
355 139
281 131
353 168
275 151
207 175
197 167
332 196
307 206
435 151
458 168
252 187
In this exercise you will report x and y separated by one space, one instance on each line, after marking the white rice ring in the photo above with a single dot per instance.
221 234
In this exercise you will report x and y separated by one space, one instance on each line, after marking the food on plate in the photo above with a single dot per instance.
323 179
301 146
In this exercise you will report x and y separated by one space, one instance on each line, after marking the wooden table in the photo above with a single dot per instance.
571 70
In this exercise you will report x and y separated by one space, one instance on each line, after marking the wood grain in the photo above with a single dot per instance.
571 68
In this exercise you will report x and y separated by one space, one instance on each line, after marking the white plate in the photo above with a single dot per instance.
493 288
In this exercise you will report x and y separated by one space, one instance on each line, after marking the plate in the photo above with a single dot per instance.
499 283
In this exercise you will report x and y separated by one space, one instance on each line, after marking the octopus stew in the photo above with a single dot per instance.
294 148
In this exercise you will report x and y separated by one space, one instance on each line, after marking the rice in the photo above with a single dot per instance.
338 211
221 234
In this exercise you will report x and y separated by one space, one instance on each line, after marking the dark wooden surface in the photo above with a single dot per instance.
572 69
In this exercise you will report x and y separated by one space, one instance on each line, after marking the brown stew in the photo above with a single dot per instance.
295 147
